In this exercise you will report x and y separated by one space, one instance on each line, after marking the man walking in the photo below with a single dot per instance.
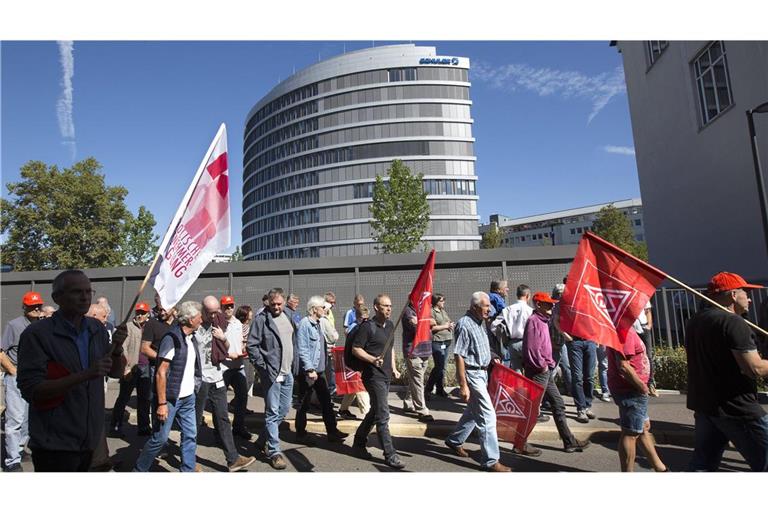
539 367
62 364
273 354
351 315
313 357
369 346
472 353
16 408
509 326
723 365
234 371
498 297
178 378
416 366
213 386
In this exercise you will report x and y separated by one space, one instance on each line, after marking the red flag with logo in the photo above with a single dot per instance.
607 289
347 381
516 400
421 300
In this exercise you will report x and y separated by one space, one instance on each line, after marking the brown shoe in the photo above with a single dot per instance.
198 468
277 462
241 463
498 468
458 450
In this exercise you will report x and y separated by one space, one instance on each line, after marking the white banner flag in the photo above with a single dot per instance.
200 229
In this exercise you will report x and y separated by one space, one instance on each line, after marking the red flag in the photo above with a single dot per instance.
607 289
516 400
347 381
421 300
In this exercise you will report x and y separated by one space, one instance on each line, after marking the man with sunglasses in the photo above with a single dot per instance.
234 366
17 409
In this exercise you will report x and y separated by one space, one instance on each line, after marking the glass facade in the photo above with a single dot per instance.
312 153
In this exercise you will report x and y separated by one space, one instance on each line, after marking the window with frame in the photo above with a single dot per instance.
655 49
712 81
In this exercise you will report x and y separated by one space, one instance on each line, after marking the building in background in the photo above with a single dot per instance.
563 227
687 101
314 145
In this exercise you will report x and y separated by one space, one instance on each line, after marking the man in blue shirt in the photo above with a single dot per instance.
350 318
473 355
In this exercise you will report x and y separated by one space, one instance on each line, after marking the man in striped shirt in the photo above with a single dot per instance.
473 355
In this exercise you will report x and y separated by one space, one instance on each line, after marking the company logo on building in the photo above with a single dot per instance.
441 61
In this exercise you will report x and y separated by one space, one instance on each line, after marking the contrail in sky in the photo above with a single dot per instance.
64 105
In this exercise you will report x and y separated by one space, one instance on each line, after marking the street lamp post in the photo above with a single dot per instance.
760 109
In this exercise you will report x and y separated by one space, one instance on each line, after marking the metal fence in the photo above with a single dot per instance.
673 307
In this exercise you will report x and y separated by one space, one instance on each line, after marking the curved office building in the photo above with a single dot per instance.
314 145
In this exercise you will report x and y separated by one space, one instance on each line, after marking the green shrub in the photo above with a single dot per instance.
670 370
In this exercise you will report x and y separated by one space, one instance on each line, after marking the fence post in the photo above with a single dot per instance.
230 284
504 271
122 298
357 280
666 315
290 283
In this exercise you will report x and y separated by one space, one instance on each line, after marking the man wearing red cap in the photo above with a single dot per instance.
723 365
234 371
17 409
133 378
539 366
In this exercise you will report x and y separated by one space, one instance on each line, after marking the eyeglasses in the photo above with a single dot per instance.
229 306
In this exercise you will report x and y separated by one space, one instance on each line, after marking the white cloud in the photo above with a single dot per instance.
64 106
598 89
620 150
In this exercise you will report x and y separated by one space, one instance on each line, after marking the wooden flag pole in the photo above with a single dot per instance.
391 338
141 288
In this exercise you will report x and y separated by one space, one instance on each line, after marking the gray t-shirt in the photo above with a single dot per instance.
286 339
211 373
11 336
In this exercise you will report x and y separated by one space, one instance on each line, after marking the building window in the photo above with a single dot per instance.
638 222
573 231
655 49
712 81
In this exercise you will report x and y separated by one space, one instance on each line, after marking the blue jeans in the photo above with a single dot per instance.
565 368
437 375
479 413
16 421
183 410
633 411
582 355
602 369
749 436
277 403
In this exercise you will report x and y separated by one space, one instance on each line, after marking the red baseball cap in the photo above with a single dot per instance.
32 299
226 300
726 281
543 297
142 306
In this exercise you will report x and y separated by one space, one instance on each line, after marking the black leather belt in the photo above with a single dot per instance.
470 367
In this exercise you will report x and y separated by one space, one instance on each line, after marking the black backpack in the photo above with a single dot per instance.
352 362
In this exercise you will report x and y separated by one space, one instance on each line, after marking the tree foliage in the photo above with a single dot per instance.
400 210
491 238
613 226
69 218
238 254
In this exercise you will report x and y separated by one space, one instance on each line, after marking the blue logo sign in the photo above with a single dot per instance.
440 61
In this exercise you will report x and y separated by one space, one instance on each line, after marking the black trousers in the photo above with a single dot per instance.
323 396
46 461
139 380
552 394
378 389
237 379
218 398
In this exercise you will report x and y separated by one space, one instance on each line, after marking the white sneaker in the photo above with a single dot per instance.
590 414
581 417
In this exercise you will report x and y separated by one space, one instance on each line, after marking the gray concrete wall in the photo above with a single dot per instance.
457 275
701 209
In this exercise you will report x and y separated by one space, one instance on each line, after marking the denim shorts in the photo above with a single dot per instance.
633 411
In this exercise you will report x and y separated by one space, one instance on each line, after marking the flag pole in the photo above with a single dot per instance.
391 338
681 284
175 221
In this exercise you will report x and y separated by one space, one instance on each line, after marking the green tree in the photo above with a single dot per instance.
613 226
65 218
140 243
238 254
491 238
400 210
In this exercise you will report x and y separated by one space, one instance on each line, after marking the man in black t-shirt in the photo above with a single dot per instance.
153 331
369 347
723 365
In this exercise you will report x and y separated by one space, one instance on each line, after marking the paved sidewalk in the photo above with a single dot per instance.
671 422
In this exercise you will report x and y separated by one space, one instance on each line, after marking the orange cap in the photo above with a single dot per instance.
227 299
543 297
32 299
726 281
142 306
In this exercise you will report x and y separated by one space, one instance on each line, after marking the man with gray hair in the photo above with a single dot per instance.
473 356
292 308
313 356
178 378
272 352
62 364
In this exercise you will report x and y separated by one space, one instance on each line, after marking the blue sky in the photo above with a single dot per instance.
551 119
